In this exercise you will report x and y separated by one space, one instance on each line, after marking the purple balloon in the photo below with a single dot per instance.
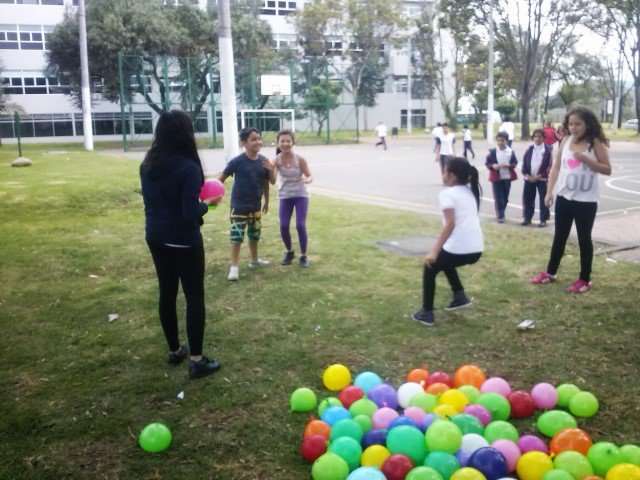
463 457
384 395
374 437
490 462
428 420
402 420
528 443
479 412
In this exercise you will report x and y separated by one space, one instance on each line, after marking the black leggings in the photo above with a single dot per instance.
185 265
584 214
446 262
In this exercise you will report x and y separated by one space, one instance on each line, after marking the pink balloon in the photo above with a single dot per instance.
415 413
479 412
383 417
212 188
528 443
510 451
544 396
496 385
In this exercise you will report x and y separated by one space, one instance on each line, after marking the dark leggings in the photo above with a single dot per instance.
446 262
468 147
187 266
584 214
301 205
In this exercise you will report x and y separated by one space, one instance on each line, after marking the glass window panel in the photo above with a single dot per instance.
3 36
104 127
6 128
12 36
52 2
26 129
30 28
36 37
7 1
54 90
29 81
79 127
282 4
13 90
292 4
9 27
43 129
35 90
9 45
25 37
41 81
16 81
31 46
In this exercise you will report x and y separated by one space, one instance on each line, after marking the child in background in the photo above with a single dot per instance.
582 155
510 129
549 134
294 175
381 133
460 241
445 146
252 174
436 132
501 163
468 146
536 165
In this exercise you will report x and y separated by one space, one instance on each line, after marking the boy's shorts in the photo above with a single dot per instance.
251 221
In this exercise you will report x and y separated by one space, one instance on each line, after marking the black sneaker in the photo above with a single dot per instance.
501 220
304 261
525 223
425 317
542 224
203 367
287 258
457 303
177 358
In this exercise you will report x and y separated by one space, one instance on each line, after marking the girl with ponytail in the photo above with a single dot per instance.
460 241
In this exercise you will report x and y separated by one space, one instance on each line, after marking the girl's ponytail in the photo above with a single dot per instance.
466 174
278 150
474 183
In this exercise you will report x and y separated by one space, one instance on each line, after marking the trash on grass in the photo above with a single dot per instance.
527 325
181 395
611 260
113 316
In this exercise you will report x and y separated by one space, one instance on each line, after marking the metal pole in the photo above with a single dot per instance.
291 77
252 83
189 85
167 87
490 78
227 81
617 90
18 132
125 146
326 101
409 86
84 72
214 140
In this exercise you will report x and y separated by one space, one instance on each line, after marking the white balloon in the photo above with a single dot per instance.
406 391
472 442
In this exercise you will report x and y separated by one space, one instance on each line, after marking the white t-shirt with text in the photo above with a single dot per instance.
466 236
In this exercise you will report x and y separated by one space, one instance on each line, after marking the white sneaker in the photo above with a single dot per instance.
234 274
258 263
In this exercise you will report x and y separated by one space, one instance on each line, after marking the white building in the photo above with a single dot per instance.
24 28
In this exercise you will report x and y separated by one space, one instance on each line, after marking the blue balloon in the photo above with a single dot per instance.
428 420
367 380
402 420
334 414
384 395
463 457
374 437
490 462
366 473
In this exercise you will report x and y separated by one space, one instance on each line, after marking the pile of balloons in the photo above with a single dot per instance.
435 427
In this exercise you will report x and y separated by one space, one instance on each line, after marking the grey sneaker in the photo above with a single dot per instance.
177 358
258 263
287 258
304 261
461 301
203 367
425 317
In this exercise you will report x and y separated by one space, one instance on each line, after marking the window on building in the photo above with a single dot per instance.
410 10
333 46
34 2
281 40
24 37
400 84
34 83
418 118
277 7
9 37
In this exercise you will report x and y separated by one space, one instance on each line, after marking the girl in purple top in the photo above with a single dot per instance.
293 176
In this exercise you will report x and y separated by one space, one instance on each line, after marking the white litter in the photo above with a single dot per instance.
527 325
113 316
318 327
611 260
181 395
93 276
395 244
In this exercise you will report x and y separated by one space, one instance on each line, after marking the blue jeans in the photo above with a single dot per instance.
501 190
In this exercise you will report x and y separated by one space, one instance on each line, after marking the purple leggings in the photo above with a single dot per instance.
301 204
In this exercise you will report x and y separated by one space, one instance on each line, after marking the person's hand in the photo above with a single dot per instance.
437 159
548 199
306 179
212 201
430 259
528 178
265 207
495 166
267 164
581 157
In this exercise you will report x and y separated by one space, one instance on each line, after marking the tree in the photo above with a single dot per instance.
425 65
321 98
371 84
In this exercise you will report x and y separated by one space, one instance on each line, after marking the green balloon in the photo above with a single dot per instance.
467 423
584 404
303 400
423 473
552 421
328 402
557 475
155 437
565 392
603 456
330 467
364 406
442 462
573 462
408 441
497 405
424 400
346 427
444 436
471 392
501 430
365 423
631 454
349 450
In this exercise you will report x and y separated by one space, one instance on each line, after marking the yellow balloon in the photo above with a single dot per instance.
446 411
468 473
336 377
374 456
455 398
624 471
533 465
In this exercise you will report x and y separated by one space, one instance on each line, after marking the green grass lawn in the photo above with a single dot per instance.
76 389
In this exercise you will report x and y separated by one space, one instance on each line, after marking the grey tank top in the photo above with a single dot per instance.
290 180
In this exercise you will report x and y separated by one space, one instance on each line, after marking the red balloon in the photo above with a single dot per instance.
522 405
317 427
350 394
313 446
440 377
396 467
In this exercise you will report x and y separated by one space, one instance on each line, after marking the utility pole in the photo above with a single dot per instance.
617 93
490 77
84 72
227 82
409 86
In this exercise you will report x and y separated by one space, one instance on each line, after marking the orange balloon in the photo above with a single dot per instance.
437 388
317 427
570 439
419 375
469 375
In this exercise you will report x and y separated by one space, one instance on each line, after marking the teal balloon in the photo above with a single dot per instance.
499 430
346 427
442 462
329 467
303 400
584 404
408 441
467 423
366 473
365 422
471 392
364 406
155 437
328 402
603 456
552 421
557 475
573 462
566 391
349 450
498 406
444 436
630 454
423 473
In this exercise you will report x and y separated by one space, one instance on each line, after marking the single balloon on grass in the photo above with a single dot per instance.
303 399
155 437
